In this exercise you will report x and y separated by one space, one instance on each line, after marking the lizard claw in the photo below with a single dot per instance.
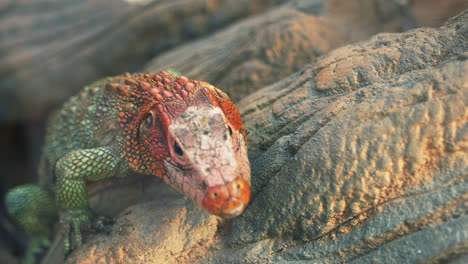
76 222
73 222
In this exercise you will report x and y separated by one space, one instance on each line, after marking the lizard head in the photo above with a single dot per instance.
208 160
195 141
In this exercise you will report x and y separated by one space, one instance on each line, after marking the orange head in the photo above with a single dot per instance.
190 134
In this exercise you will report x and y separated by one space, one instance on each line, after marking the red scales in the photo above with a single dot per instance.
141 92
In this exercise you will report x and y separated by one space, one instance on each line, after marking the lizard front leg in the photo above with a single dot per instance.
72 171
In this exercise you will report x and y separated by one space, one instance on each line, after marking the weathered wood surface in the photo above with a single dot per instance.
359 157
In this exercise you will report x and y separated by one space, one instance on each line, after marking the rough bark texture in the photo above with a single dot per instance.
359 157
358 153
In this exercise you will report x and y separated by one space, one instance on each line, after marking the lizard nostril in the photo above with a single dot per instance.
227 200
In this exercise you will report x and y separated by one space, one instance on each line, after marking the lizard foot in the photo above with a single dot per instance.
76 222
73 222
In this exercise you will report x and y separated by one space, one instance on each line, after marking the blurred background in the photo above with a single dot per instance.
49 49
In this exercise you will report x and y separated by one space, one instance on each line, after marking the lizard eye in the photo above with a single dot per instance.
148 122
178 150
225 137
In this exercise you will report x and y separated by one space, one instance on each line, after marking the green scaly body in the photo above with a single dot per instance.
117 127
83 144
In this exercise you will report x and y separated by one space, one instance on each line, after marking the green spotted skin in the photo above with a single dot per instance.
83 144
84 139
77 167
96 135
33 208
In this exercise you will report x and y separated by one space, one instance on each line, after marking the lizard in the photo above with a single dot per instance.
187 132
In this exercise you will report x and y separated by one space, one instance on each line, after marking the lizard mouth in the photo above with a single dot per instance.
227 200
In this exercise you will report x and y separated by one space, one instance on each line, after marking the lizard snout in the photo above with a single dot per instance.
227 200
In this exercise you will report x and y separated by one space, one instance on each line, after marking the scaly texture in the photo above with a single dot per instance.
184 131
33 208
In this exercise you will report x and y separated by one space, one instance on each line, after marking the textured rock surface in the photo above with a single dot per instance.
358 153
264 49
360 156
256 52
50 49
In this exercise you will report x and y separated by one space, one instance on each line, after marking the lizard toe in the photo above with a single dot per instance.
74 222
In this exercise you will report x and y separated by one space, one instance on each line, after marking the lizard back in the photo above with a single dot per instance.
86 120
